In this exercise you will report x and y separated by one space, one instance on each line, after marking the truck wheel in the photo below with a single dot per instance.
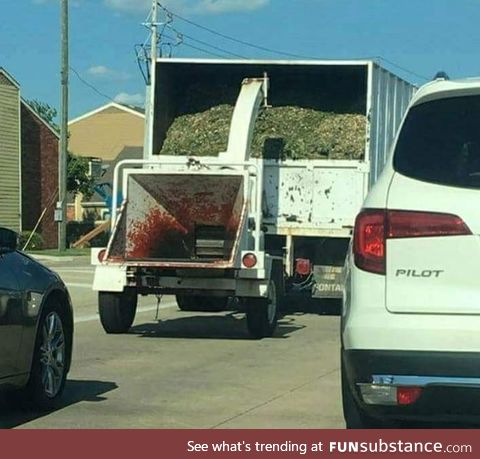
185 302
201 303
117 310
262 314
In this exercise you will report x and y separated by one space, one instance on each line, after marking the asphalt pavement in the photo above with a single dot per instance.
190 370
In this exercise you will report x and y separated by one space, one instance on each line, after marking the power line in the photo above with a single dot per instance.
404 69
203 50
271 50
227 37
93 88
208 44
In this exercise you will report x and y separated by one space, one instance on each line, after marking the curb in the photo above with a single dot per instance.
50 258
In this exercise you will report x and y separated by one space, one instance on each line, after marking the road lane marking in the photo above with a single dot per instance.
74 271
93 317
77 285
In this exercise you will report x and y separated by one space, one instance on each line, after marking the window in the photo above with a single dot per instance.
7 278
440 142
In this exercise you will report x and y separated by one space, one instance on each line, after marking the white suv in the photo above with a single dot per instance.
411 313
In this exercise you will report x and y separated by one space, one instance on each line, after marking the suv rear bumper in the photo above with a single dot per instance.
450 382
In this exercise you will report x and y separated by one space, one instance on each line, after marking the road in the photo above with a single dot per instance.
190 370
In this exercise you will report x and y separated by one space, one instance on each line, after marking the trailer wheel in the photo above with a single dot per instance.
117 310
201 303
262 313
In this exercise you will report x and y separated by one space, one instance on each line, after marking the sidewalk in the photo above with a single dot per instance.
78 255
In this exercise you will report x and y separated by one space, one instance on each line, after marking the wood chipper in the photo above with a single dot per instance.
193 229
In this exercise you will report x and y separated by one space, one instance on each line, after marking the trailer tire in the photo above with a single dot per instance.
262 313
201 303
117 310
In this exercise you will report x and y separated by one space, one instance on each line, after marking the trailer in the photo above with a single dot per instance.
229 230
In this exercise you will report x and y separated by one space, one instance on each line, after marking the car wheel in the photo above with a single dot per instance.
50 358
117 310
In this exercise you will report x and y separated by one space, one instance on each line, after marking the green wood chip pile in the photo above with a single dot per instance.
281 132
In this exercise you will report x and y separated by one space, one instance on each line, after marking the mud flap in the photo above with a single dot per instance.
328 282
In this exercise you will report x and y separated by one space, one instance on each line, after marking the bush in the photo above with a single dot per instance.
36 242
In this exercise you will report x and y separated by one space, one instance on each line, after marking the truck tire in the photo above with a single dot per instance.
201 303
262 313
117 310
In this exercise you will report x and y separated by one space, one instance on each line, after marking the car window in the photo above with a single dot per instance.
29 274
440 142
8 280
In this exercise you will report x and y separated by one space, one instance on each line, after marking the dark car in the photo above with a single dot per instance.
36 326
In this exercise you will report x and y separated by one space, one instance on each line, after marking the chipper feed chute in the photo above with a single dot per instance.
181 217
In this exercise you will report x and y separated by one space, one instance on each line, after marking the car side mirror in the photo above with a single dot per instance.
8 241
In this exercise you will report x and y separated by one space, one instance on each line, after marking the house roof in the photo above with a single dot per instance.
39 118
10 78
132 109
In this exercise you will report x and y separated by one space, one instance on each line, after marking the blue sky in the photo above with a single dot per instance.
421 35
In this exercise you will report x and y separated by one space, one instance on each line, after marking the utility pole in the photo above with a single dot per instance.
150 102
61 211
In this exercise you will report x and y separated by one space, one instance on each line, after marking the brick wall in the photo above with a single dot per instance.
39 176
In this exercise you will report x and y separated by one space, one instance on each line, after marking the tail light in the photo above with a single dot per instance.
369 241
101 255
374 226
408 395
249 260
379 394
303 267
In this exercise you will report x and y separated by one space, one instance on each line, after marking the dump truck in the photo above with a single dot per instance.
228 230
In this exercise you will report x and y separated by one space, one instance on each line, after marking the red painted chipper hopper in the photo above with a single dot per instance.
181 218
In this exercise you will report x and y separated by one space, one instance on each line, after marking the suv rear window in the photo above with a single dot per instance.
440 142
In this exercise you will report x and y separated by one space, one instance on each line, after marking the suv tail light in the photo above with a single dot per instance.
369 241
374 226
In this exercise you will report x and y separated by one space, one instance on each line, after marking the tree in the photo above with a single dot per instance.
79 179
46 112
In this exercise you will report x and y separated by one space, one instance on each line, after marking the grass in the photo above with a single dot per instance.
56 253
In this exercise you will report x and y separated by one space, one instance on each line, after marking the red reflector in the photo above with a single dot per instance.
303 266
369 241
101 255
408 395
249 260
403 224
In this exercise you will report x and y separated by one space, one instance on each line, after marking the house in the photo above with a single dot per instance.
40 149
96 208
105 132
28 165
10 157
